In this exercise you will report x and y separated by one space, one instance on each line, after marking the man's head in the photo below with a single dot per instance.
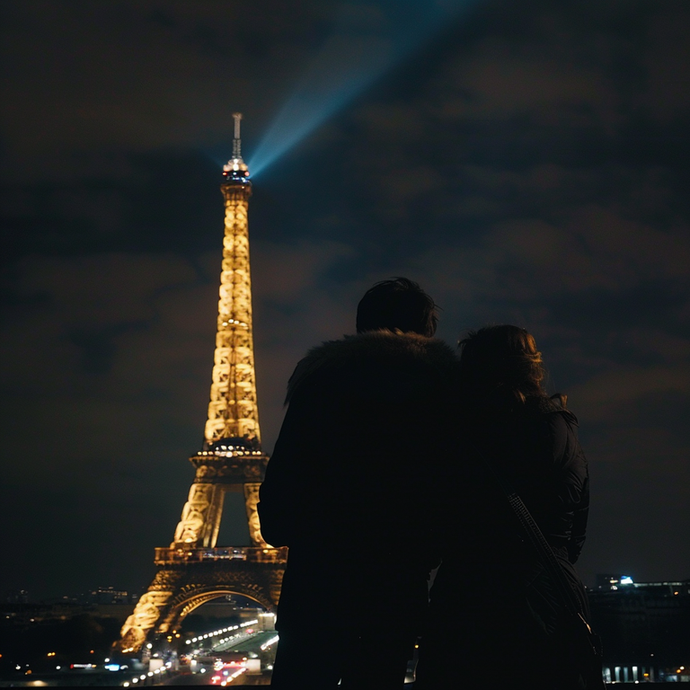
397 304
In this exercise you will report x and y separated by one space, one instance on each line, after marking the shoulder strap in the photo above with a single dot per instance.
540 546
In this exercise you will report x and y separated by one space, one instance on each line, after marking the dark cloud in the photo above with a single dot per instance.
143 74
527 163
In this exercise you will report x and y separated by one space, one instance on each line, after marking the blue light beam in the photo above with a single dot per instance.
368 40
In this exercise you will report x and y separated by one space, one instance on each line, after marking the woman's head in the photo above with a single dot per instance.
501 363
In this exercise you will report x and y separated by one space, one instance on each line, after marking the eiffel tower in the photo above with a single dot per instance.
194 569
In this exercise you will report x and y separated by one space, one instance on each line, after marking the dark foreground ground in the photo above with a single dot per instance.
184 681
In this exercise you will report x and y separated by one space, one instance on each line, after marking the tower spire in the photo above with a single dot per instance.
235 170
237 142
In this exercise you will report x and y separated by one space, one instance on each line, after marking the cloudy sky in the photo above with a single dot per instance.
525 162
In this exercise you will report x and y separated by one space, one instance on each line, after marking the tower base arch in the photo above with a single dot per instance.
187 579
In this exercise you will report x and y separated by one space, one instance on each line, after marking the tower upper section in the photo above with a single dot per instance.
235 171
232 411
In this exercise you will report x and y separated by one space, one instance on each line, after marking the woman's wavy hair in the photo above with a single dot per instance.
501 366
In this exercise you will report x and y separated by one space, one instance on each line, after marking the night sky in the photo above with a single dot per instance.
525 162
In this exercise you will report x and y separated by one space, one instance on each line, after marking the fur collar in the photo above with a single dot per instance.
386 346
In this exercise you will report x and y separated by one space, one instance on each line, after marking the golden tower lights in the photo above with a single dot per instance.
232 411
193 570
232 426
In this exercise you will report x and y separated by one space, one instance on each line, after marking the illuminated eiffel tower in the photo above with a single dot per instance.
193 569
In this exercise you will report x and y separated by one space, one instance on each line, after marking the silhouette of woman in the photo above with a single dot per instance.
492 605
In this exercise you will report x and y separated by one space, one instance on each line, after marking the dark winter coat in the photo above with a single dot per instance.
351 479
364 419
486 596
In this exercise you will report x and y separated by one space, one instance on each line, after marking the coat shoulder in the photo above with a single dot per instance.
394 350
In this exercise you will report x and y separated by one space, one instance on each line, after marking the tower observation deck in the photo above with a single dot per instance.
194 569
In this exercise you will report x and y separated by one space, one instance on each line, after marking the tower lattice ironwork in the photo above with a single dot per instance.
194 569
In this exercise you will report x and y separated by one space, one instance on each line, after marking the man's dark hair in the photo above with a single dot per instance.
397 304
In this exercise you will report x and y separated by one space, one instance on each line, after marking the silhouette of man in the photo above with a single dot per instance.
348 489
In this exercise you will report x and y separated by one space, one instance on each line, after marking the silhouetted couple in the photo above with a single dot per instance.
387 465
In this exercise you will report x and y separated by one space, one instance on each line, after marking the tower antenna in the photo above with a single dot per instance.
237 142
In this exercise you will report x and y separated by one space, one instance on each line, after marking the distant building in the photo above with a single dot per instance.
644 626
612 582
18 596
108 595
104 602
